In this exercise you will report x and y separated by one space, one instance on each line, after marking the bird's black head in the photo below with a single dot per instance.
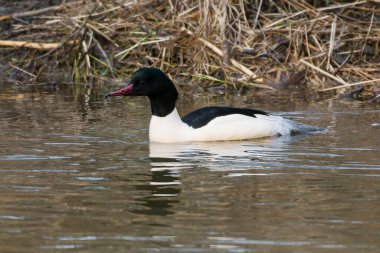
154 84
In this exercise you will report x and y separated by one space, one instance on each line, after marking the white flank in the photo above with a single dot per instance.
171 129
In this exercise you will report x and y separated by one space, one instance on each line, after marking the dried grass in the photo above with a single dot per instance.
256 42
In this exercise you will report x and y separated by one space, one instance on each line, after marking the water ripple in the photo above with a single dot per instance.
18 157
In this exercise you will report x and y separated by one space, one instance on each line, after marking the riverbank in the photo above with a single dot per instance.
322 48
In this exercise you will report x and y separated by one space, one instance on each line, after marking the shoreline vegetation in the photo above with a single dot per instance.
329 47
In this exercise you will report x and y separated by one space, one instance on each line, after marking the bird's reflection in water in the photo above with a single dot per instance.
168 160
163 188
196 151
226 156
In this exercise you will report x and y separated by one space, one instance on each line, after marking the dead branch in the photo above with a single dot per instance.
34 45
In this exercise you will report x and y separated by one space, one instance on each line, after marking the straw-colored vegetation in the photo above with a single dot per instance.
276 43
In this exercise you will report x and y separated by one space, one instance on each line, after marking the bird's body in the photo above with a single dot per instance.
205 124
172 128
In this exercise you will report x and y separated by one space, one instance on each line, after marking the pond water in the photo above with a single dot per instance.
78 174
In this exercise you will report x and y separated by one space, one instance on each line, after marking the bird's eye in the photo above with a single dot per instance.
138 84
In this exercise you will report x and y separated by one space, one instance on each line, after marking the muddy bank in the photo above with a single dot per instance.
322 48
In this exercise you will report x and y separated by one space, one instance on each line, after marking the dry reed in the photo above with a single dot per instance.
333 45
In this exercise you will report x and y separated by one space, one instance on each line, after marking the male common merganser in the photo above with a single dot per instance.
212 123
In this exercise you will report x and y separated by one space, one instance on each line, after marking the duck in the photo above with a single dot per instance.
212 123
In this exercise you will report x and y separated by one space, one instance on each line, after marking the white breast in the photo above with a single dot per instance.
169 129
231 127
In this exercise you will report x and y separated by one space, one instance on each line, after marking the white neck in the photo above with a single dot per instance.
169 129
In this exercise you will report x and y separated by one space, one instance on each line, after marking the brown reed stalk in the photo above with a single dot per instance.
336 43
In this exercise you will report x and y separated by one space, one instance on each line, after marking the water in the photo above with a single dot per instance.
77 174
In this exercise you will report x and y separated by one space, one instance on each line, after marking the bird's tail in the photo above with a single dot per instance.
298 128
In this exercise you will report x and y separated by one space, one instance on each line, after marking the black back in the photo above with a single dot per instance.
203 116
